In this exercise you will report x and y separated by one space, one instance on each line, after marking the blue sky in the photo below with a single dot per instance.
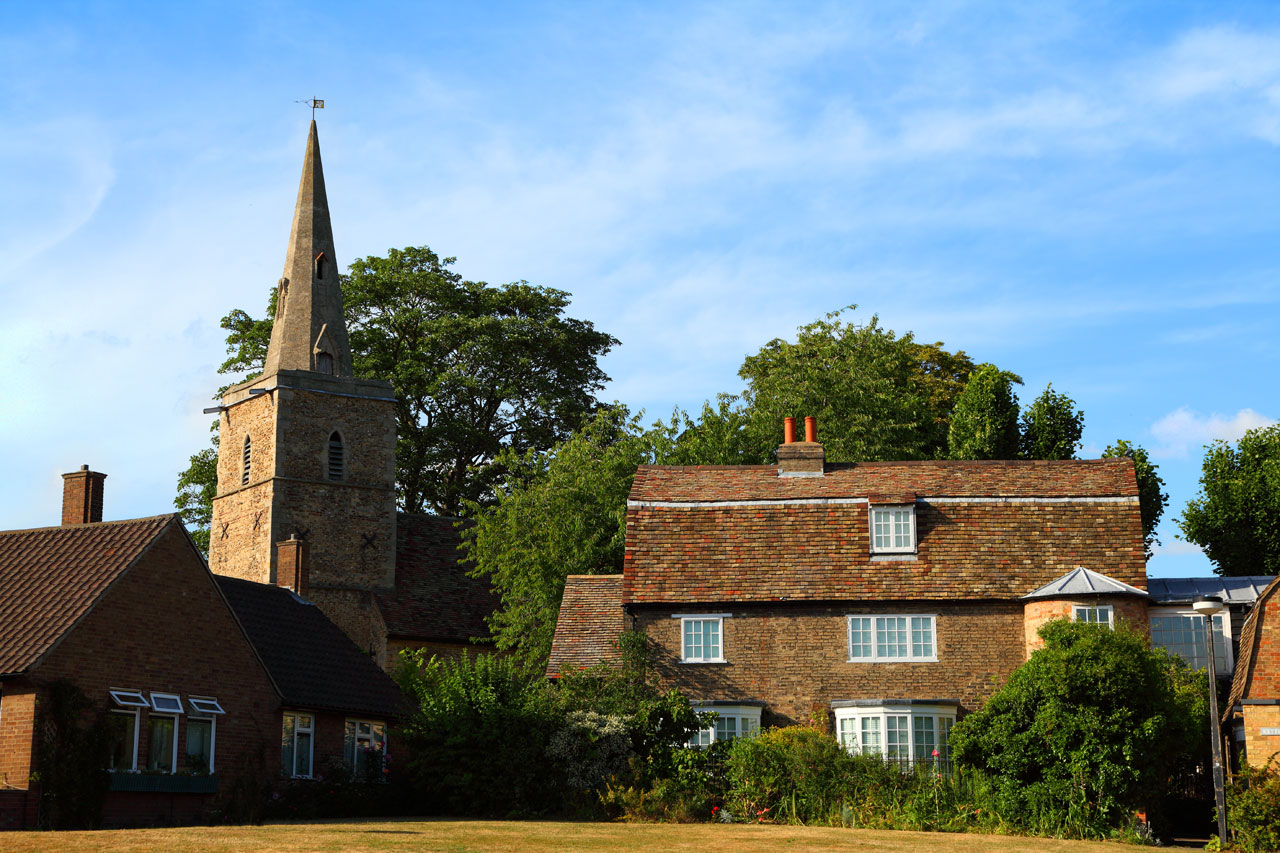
1081 193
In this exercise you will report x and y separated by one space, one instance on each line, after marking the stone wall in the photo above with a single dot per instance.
795 657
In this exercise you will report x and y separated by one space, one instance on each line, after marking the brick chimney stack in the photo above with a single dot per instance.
82 497
801 458
291 565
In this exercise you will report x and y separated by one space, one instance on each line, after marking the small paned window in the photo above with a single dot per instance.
200 735
122 740
731 721
162 743
248 458
295 744
166 703
335 457
324 363
1099 615
700 639
893 529
205 705
364 747
129 699
903 735
892 638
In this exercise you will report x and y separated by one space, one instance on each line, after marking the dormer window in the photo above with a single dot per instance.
335 457
324 363
248 454
893 529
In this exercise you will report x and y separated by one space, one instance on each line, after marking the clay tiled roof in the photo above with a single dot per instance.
1250 634
984 530
942 478
591 620
51 577
313 664
434 600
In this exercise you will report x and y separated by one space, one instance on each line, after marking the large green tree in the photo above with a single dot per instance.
1092 726
984 422
1236 516
1151 499
1051 427
477 369
876 395
559 512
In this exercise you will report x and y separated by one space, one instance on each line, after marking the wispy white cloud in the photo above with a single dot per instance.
1171 547
1183 429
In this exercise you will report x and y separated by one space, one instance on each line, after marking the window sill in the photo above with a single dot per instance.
933 659
719 660
162 783
894 557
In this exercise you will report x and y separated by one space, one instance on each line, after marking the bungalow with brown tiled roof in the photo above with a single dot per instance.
197 675
883 599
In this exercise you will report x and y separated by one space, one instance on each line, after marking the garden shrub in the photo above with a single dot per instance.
592 748
796 774
1253 808
74 749
1086 731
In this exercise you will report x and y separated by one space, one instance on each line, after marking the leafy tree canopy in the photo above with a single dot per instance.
477 369
1094 723
1150 497
1236 516
1051 427
984 423
876 395
559 512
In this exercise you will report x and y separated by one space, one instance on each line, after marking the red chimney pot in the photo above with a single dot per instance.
788 430
810 429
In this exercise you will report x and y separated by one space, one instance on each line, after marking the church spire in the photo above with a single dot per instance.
309 331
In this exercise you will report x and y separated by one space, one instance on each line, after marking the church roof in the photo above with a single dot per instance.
51 577
1082 581
434 599
313 664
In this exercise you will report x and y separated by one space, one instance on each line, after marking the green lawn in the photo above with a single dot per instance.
453 836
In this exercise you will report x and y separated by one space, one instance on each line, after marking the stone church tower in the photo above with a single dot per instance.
307 450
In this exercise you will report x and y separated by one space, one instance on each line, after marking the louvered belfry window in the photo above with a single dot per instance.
248 453
335 457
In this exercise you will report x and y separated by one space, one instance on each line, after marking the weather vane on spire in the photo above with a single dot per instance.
315 104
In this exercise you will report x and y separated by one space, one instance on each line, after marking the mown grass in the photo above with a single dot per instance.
448 836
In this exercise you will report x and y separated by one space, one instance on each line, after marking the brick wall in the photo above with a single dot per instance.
163 627
17 726
1127 609
796 657
1264 685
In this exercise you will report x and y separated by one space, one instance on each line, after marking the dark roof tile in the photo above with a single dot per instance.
591 620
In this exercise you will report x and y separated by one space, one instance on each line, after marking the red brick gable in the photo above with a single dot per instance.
1257 672
984 530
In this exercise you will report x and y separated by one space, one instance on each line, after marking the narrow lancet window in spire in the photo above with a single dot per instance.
248 453
324 363
320 265
335 457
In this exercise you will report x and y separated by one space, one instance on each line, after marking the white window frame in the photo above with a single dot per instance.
129 699
1225 667
685 619
213 737
172 703
875 656
875 509
173 746
1077 609
357 739
311 742
943 717
204 705
745 718
133 765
